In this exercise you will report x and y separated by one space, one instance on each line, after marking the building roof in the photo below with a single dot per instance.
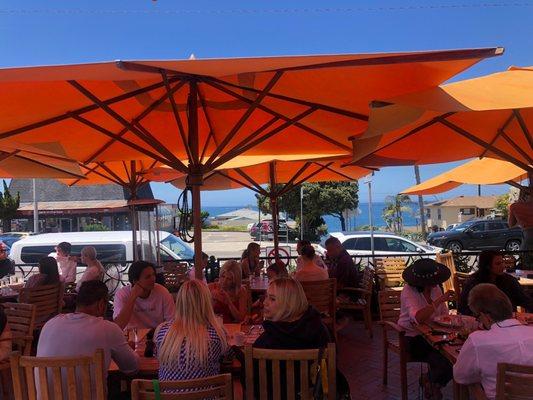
247 213
75 207
51 190
467 201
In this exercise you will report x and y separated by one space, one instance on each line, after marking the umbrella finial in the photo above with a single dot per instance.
192 57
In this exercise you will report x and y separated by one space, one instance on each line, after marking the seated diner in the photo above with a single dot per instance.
421 301
48 274
491 269
276 270
250 263
299 260
67 264
82 332
309 270
94 271
144 303
230 297
503 339
191 345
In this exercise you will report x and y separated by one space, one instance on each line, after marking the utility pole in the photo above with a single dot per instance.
420 204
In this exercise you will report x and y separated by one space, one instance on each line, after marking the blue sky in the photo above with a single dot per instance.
60 32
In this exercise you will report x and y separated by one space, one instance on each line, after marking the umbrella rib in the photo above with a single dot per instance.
211 133
338 173
126 170
93 171
281 116
79 111
5 155
175 111
107 109
234 152
252 181
239 182
307 103
251 108
135 120
112 173
322 167
126 142
498 133
52 166
300 171
410 133
484 144
516 147
523 125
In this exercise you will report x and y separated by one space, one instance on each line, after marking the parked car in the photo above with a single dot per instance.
478 234
9 238
264 230
358 243
451 226
110 246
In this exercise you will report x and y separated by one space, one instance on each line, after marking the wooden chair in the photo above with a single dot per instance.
389 311
174 280
514 382
447 259
389 272
48 301
287 361
323 296
21 320
459 279
364 299
218 387
69 376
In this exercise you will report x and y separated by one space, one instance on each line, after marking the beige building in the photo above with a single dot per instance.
459 209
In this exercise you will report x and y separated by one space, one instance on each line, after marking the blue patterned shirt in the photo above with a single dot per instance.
171 371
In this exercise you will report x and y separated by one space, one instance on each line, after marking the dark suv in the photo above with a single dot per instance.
473 235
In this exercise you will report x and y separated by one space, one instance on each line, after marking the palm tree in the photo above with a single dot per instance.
396 206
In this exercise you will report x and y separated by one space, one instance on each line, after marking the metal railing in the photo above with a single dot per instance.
116 273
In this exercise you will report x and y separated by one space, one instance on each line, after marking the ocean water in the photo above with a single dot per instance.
333 223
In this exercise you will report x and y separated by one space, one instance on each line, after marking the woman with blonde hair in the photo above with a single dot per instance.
230 298
290 322
190 346
250 263
94 271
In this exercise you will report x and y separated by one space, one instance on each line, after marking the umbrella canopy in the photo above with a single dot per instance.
490 116
484 171
45 160
282 176
208 112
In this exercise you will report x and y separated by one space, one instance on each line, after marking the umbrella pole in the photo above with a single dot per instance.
274 208
197 227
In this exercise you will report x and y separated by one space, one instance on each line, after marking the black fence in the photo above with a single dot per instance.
116 273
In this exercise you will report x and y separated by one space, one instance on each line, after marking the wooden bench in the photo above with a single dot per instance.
389 272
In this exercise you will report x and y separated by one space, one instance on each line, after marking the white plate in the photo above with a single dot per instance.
454 321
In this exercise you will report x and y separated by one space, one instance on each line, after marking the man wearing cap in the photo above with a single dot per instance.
421 301
7 266
66 263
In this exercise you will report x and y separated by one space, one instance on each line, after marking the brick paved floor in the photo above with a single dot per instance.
359 359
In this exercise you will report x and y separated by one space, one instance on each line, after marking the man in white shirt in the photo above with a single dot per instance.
83 332
505 340
144 303
67 264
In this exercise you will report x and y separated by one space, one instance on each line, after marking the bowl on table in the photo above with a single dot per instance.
456 321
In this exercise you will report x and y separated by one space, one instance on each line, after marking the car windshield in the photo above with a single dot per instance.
463 226
180 248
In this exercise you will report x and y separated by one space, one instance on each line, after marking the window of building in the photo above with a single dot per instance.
428 213
439 215
468 211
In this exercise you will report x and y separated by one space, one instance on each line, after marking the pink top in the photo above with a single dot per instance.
411 302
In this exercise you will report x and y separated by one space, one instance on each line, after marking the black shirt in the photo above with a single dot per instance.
7 267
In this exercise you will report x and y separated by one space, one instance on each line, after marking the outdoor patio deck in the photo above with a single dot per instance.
359 359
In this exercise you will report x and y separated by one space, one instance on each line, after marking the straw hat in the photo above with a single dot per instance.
426 272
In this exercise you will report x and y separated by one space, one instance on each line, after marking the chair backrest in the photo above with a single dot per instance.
389 271
249 300
174 280
60 377
21 319
322 295
48 300
509 261
218 387
459 279
389 305
447 259
514 382
289 362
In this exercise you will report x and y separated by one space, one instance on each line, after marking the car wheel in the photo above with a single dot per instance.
512 245
454 246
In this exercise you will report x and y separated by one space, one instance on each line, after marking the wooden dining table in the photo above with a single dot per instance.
452 346
7 294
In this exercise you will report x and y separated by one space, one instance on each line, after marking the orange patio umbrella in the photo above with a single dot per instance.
282 176
45 160
490 116
484 171
196 115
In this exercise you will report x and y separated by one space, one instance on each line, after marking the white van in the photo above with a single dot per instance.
111 247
